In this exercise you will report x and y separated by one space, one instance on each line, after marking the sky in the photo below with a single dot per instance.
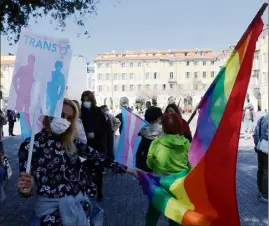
155 24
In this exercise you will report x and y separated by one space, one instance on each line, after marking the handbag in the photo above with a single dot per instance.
262 144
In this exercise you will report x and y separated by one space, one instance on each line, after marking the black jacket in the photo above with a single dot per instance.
94 121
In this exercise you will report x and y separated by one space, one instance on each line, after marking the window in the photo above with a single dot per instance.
123 88
107 65
195 74
171 75
204 74
107 88
100 88
188 63
131 87
204 63
123 76
171 86
155 87
171 64
131 76
212 62
122 64
147 64
147 75
195 62
212 74
115 88
99 65
107 76
164 86
131 64
187 74
139 87
139 64
155 75
147 87
100 76
115 76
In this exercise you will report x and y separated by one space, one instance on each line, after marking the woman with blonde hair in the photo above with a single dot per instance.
63 169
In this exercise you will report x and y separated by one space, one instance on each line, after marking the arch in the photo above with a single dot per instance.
109 102
124 100
139 102
171 100
188 103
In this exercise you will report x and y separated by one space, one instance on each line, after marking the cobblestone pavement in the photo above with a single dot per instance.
125 204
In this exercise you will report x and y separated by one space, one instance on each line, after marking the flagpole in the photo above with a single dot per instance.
259 14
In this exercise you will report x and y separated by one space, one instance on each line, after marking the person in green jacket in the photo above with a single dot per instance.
168 154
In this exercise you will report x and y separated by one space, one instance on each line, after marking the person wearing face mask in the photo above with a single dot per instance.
80 132
64 170
148 133
97 128
114 125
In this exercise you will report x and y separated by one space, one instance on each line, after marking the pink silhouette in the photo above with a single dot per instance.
23 82
39 123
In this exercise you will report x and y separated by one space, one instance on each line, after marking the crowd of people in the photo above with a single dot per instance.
71 155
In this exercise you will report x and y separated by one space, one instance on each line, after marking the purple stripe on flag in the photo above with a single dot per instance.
126 145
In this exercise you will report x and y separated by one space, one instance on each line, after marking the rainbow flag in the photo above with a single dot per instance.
129 139
207 194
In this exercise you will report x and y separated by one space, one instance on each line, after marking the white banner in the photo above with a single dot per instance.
40 74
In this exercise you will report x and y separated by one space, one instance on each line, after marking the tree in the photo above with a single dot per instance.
16 13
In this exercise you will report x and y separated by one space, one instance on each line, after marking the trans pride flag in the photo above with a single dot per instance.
26 128
129 139
206 194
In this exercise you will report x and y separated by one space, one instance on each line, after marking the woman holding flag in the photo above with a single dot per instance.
64 171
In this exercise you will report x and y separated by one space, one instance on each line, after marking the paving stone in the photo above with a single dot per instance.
125 204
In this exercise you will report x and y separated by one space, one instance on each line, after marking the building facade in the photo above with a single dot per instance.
173 75
180 76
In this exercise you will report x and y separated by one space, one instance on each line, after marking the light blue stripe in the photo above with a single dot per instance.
120 147
25 131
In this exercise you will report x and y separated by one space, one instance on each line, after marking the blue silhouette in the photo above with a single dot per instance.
55 88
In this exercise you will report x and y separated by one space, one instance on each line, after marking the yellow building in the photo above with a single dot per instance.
7 67
179 75
258 87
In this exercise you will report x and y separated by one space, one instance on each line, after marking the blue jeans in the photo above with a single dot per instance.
248 125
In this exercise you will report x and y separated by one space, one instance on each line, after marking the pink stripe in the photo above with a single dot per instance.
135 133
196 151
126 145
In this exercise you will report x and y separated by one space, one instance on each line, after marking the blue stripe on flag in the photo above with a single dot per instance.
121 150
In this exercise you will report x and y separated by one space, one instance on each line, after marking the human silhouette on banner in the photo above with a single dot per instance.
23 81
55 86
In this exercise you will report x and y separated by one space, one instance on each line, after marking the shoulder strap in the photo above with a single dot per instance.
260 127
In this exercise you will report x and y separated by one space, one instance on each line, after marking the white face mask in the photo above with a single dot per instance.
59 125
87 104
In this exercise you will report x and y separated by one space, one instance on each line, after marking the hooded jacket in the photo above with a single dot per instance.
168 154
148 134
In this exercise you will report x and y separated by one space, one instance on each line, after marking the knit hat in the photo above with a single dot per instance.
172 123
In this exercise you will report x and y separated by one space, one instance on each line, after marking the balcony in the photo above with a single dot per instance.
172 80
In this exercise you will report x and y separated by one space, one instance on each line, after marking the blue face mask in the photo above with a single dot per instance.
86 104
